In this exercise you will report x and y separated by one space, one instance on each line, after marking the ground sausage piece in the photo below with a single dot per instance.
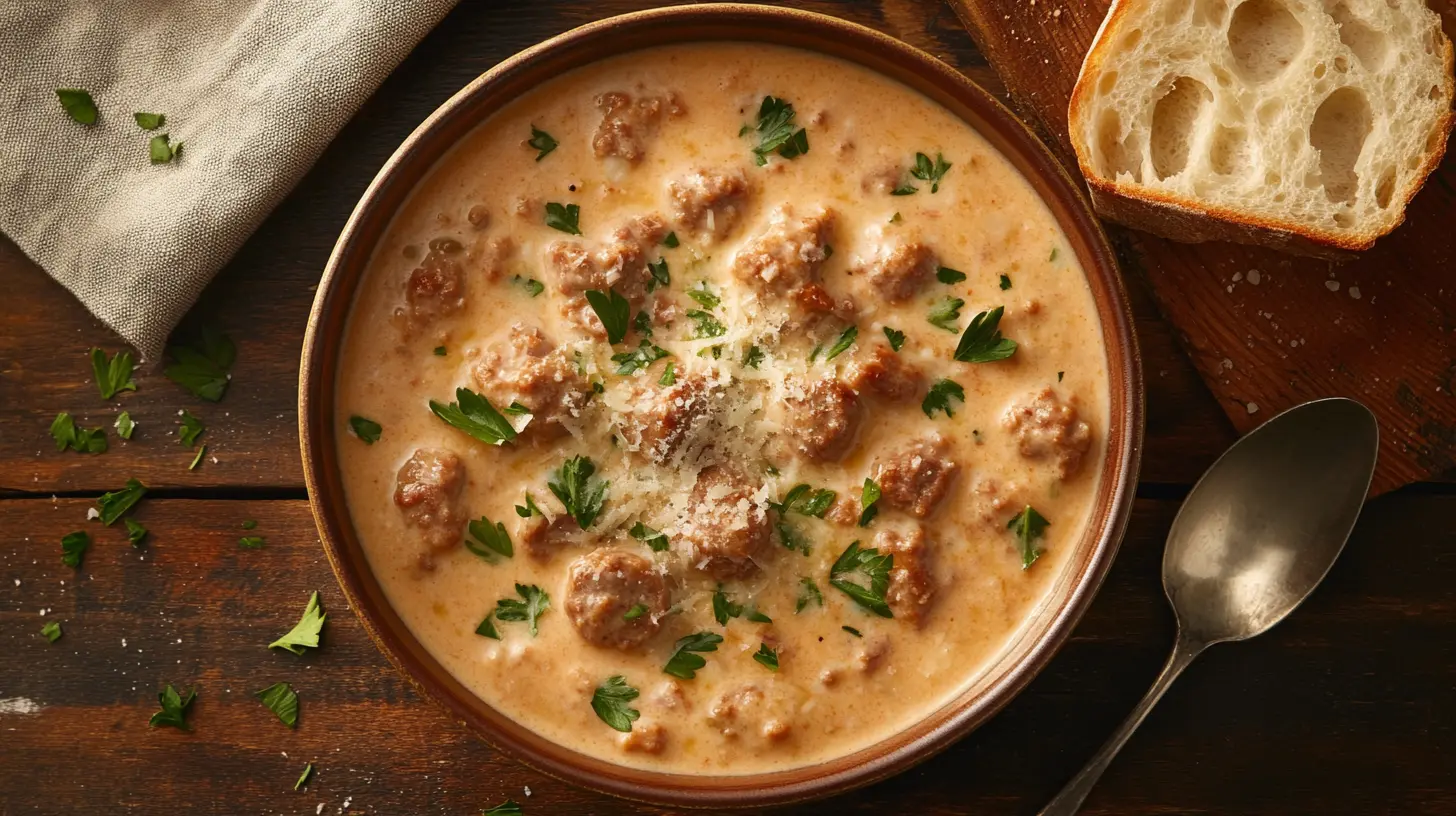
649 738
884 372
662 418
899 269
620 263
602 586
746 709
628 125
542 538
708 204
490 256
530 370
427 491
727 527
912 587
995 504
436 288
788 253
1047 428
916 477
824 420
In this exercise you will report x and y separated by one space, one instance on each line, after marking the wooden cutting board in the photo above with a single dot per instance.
1268 331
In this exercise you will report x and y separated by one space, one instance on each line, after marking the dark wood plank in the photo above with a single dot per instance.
1346 708
1266 343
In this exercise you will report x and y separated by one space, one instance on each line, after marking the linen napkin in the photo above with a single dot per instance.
254 89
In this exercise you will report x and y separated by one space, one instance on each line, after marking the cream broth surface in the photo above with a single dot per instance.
469 264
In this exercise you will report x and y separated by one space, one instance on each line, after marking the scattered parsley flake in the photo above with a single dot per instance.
174 708
508 807
124 425
637 611
303 777
542 141
533 604
533 286
945 313
487 627
852 631
705 298
870 566
1053 256
52 631
707 325
476 417
489 539
654 539
282 701
1005 282
197 460
945 274
896 338
807 501
685 661
440 351
768 658
646 353
114 505
776 132
610 702
202 367
78 104
150 121
790 537
846 339
613 311
1059 375
904 190
565 218
161 150
305 634
192 428
670 241
112 375
809 594
940 396
367 430
252 542
135 532
724 609
250 524
642 323
869 494
1028 526
82 440
660 277
895 219
933 172
669 375
753 357
757 616
578 492
529 508
982 341
73 548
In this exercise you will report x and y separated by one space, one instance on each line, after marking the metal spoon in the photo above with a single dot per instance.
1253 540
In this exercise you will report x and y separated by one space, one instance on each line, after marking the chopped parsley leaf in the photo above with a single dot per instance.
73 548
564 217
873 569
642 323
282 701
939 398
724 609
542 141
202 368
303 777
790 537
476 417
776 132
945 313
533 286
488 539
174 708
895 219
933 172
113 375
440 351
807 501
669 375
1059 375
533 604
705 298
846 339
149 121
661 278
896 338
904 190
945 274
252 542
250 524
52 631
124 425
367 430
654 539
646 353
869 494
670 241
852 631
637 611
192 428
135 532
78 104
1005 282
81 440
768 658
758 617
982 341
707 325
613 310
304 634
516 409
1028 526
506 808
610 701
114 505
529 509
809 594
487 627
197 460
685 662
161 149
1053 256
579 493
753 357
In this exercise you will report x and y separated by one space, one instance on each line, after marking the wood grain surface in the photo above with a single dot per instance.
1347 708
1269 331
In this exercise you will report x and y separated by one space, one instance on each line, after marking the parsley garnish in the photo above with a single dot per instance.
124 425
724 609
174 708
613 310
1052 257
1005 282
807 501
684 662
646 353
114 505
895 219
250 524
474 415
78 104
579 493
637 611
705 298
73 548
872 568
162 150
945 313
282 701
758 617
150 121
643 323
670 241
81 440
542 141
658 270
933 172
852 631
896 338
610 701
945 274
564 218
203 368
982 341
533 605
487 627
507 808
441 351
488 539
192 428
669 375
767 657
303 777
529 509
655 540
112 375
753 357
1028 526
1060 374
367 430
939 398
135 533
533 286
52 631
516 409
869 494
904 190
304 634
252 542
197 460
707 325
808 594
776 131
846 339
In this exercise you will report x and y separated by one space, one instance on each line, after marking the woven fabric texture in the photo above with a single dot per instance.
254 89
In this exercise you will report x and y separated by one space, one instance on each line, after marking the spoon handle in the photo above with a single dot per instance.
1070 798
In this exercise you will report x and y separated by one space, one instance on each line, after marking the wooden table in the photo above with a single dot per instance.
1350 707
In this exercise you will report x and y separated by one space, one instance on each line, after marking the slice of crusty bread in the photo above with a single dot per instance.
1306 125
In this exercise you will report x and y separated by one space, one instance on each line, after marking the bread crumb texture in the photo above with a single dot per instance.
1321 117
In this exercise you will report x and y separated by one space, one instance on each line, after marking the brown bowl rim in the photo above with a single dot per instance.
722 22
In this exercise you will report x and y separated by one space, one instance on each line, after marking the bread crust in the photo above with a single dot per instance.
1188 220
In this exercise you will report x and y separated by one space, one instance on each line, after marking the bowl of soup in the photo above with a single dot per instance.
721 405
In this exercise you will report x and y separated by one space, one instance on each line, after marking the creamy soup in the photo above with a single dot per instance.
721 408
